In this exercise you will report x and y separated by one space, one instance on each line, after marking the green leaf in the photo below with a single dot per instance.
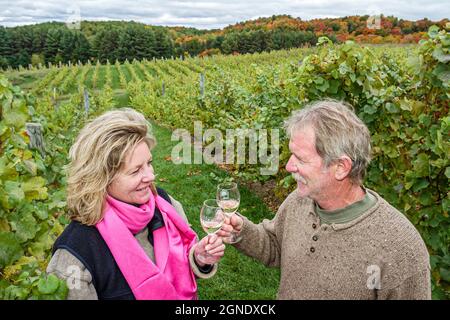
34 188
49 285
4 225
445 204
62 291
323 41
334 86
31 166
319 80
447 172
14 191
421 184
10 249
334 73
369 109
445 274
343 68
24 225
439 55
15 118
3 128
433 31
442 72
391 108
323 87
405 105
41 213
421 165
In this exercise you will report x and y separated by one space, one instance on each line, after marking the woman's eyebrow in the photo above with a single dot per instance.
139 165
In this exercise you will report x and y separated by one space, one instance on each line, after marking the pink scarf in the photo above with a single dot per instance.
171 277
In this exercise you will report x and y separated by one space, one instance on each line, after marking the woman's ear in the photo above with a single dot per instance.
343 168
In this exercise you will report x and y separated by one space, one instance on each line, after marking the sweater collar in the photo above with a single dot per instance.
347 214
342 226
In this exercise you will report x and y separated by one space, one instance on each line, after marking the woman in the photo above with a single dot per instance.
127 239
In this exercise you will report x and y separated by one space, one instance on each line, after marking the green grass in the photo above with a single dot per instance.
101 77
26 79
115 77
121 98
88 79
238 277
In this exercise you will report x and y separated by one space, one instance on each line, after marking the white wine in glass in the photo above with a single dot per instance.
211 227
211 218
229 206
228 198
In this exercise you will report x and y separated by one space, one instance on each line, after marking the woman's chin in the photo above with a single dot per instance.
142 197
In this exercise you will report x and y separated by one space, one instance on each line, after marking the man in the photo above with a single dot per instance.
332 238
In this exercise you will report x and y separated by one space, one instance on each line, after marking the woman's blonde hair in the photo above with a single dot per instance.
97 155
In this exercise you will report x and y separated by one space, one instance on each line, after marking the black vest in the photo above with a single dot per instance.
88 246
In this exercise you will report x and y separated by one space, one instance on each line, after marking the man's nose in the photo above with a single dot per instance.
290 166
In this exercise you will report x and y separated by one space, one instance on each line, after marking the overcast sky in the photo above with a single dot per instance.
209 14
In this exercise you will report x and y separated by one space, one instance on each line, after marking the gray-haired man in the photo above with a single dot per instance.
332 238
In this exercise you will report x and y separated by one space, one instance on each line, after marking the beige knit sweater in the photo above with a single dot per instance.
379 255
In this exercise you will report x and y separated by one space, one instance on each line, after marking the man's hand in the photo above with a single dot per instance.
233 224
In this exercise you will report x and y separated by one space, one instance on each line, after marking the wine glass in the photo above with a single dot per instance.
228 198
211 218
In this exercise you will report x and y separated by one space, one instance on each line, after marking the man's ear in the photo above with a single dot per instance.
343 168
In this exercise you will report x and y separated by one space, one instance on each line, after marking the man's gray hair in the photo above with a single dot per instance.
338 132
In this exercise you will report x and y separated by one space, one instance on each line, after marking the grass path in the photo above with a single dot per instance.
238 277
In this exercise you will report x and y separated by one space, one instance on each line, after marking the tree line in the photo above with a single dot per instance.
54 42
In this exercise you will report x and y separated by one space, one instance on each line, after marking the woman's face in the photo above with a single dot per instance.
132 183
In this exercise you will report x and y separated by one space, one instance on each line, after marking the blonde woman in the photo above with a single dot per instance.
127 239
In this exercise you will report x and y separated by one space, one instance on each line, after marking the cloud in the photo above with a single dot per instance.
210 14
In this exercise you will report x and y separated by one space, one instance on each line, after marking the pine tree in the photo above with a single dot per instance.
82 48
5 48
52 45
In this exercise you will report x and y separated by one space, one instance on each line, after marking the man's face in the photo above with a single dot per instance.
314 180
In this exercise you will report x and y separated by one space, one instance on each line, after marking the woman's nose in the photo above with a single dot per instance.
148 174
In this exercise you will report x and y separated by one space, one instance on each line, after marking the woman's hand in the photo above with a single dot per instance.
209 250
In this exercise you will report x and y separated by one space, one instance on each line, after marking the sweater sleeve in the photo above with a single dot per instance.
416 287
67 267
263 241
260 241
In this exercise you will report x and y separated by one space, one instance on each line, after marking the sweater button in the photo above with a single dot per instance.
315 238
314 225
312 249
